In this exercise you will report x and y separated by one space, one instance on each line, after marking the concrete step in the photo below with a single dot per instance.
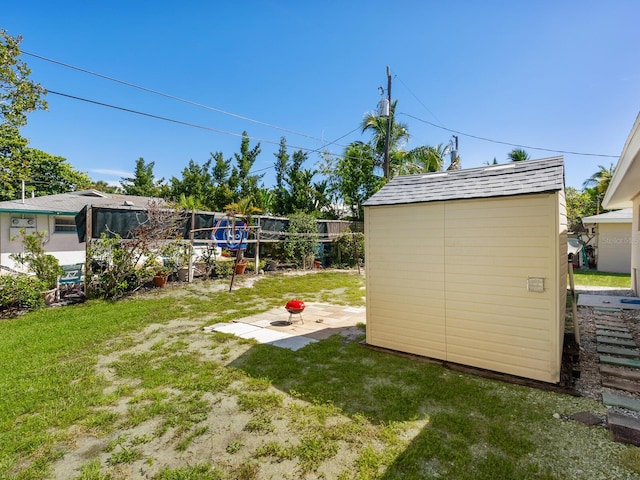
616 341
624 401
620 351
610 333
622 362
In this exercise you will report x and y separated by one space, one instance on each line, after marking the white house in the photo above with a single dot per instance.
624 192
55 215
612 240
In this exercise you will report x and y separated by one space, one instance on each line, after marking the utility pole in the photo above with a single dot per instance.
385 165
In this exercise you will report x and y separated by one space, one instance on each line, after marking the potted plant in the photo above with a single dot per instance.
35 259
241 266
184 258
160 278
162 269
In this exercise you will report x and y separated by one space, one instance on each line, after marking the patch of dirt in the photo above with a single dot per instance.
226 442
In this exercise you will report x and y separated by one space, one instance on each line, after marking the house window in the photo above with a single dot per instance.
64 225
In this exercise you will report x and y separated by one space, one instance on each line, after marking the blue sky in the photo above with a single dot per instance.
552 74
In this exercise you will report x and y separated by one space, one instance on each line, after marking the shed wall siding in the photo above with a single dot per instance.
614 247
562 276
405 256
463 297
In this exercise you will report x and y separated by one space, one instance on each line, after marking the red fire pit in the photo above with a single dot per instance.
295 307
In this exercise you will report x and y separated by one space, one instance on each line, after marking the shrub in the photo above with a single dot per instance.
251 266
114 268
20 291
346 247
36 260
222 269
302 241
121 265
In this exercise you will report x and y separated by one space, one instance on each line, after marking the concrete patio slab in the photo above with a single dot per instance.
293 343
264 335
320 321
608 301
236 328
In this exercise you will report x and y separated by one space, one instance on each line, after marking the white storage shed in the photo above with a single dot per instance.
470 267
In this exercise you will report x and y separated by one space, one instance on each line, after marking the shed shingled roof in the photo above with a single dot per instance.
507 179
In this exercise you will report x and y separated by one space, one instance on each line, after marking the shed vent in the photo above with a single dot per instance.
435 175
500 167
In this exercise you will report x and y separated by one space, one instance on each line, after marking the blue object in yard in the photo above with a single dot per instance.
229 234
72 274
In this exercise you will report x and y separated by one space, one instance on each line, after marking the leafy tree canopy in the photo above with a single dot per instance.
600 180
354 178
143 182
43 173
18 94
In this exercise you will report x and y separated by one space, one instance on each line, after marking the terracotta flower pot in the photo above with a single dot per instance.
240 268
160 280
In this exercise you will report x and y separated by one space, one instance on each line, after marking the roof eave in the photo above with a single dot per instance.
37 212
625 183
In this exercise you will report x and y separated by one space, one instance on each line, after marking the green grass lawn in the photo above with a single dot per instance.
136 389
593 278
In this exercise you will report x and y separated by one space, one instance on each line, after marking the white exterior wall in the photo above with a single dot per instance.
614 247
63 245
448 280
635 247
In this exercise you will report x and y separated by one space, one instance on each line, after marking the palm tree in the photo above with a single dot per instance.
242 209
421 159
189 202
518 155
598 183
600 180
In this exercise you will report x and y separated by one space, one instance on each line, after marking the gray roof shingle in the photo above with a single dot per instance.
70 203
507 179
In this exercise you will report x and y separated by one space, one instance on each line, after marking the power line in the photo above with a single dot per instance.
508 143
441 126
241 117
419 101
172 97
195 125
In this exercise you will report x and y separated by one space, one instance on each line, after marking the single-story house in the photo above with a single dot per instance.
55 215
470 267
624 192
612 240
